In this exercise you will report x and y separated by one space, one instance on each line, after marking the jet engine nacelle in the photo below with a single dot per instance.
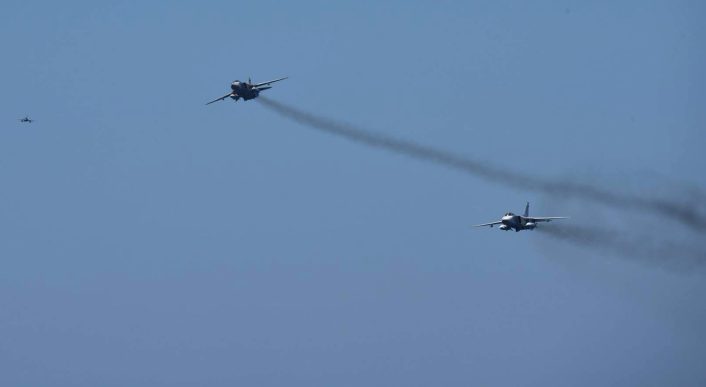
504 227
530 225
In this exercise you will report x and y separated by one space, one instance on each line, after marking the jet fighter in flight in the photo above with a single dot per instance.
246 90
26 119
510 221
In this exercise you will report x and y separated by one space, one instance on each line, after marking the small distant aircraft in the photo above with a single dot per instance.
511 221
246 90
26 119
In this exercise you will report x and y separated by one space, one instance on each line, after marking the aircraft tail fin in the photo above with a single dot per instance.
526 210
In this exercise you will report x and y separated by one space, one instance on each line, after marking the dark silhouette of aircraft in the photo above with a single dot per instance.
246 90
26 119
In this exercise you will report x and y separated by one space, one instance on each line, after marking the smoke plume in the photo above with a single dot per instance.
681 213
652 249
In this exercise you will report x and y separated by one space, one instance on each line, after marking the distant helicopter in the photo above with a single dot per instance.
246 90
26 119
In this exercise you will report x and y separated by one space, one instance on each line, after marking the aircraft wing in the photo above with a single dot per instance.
268 82
546 218
220 99
491 224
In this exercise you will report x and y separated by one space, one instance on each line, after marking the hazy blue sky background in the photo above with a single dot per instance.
149 240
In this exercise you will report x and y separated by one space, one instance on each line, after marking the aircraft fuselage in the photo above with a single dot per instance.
245 91
516 222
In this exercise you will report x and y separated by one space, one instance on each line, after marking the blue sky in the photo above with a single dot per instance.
150 240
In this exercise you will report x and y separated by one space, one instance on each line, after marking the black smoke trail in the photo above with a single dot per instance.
682 213
651 248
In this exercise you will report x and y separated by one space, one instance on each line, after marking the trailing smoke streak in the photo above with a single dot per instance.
645 249
683 214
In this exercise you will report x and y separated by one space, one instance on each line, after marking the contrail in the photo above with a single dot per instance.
678 212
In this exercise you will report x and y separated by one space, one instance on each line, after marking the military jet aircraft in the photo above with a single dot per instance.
26 119
246 90
510 221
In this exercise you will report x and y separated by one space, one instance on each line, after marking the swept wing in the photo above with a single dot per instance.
257 85
220 99
491 224
545 218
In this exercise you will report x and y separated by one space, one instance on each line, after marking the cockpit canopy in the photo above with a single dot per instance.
509 214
